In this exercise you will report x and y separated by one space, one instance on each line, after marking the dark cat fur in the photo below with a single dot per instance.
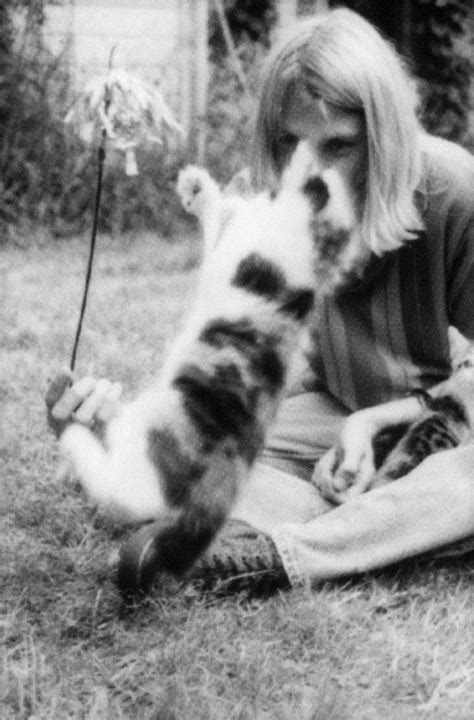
400 448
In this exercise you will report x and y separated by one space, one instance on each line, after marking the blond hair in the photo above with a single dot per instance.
342 59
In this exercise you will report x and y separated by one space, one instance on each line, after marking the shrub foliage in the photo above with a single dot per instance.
443 64
433 35
247 21
47 174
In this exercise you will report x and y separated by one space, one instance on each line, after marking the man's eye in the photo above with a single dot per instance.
287 141
284 148
339 146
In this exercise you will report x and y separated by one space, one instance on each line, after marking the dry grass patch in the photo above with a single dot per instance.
395 644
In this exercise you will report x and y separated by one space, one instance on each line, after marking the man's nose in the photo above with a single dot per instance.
317 191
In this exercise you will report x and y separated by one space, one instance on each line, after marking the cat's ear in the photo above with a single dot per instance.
240 185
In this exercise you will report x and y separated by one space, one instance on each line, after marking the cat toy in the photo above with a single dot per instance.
126 112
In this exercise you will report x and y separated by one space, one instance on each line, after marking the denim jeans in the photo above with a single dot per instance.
427 509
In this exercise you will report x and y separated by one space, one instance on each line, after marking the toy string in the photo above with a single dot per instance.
100 174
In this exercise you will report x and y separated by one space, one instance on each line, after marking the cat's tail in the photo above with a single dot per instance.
173 543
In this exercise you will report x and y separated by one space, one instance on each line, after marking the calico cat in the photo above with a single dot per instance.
445 423
181 451
399 448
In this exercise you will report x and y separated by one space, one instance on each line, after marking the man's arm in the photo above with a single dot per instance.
347 469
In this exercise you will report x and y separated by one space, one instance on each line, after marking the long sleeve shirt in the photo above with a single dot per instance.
388 333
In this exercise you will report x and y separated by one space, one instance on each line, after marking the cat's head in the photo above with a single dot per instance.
339 251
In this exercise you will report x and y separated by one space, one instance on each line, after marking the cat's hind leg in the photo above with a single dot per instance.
89 459
135 500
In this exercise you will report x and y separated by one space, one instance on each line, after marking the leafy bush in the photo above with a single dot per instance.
48 175
248 21
433 34
443 65
231 106
145 201
30 133
231 112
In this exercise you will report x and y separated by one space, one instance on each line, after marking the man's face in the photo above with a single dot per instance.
337 138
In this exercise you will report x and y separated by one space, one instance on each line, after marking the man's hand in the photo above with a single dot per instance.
347 469
88 401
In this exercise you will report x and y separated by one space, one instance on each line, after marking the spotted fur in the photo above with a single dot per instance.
445 423
181 452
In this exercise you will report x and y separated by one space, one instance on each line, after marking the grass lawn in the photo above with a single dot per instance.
394 644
